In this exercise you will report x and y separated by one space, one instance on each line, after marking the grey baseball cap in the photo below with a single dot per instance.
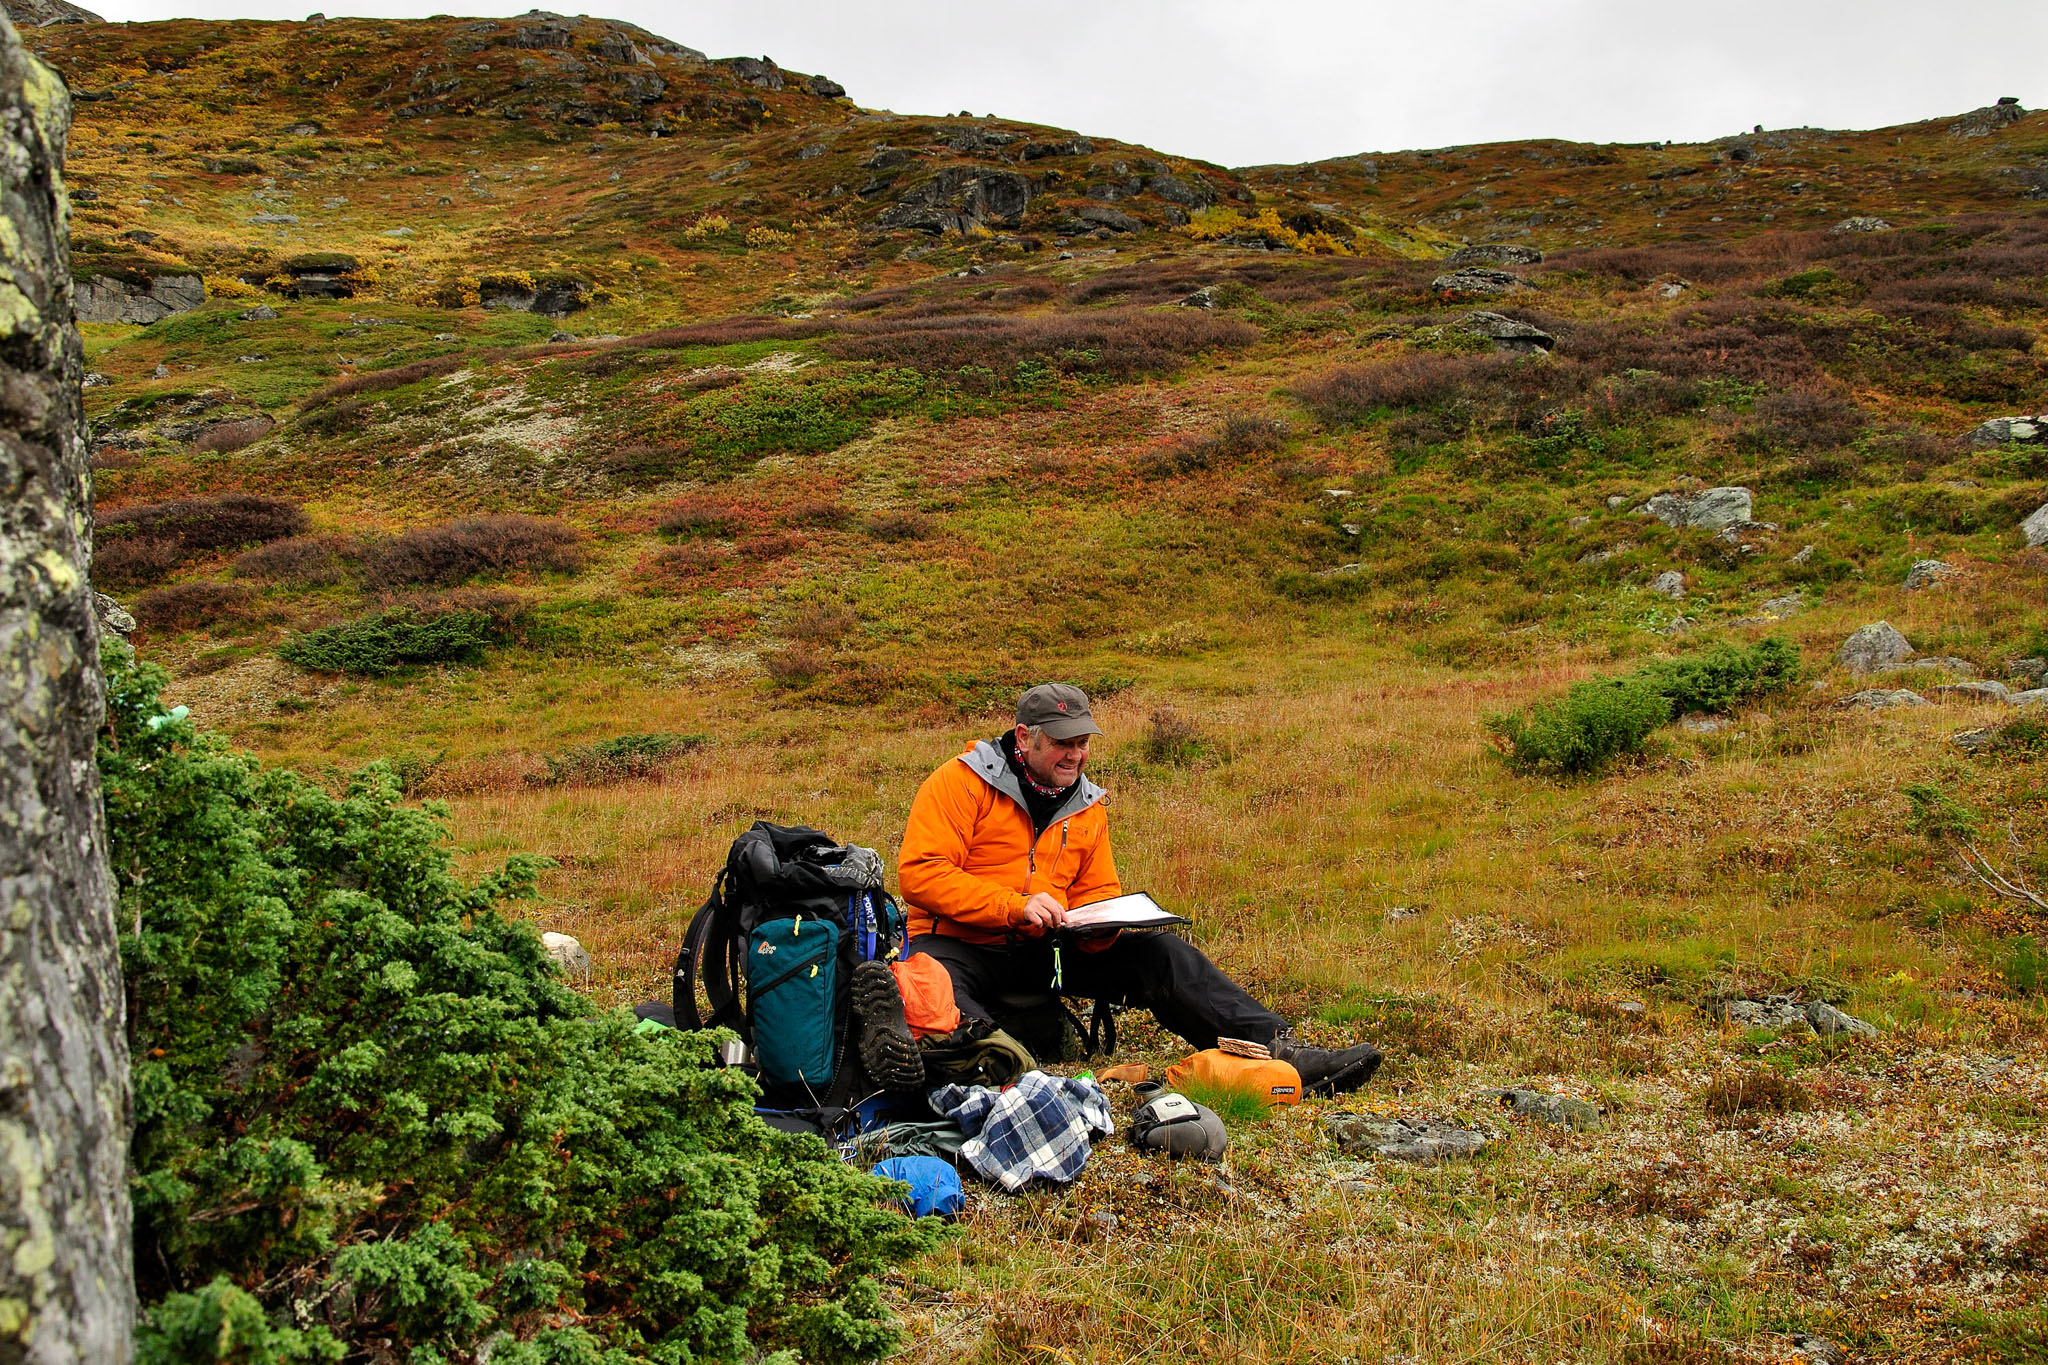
1060 709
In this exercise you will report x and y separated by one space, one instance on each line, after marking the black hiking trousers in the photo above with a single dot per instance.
1164 973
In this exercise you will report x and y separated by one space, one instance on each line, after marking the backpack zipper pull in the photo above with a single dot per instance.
796 930
1058 977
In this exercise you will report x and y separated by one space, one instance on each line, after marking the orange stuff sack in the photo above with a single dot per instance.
1260 1077
927 994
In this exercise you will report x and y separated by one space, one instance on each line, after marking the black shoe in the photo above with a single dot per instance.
888 1049
1324 1070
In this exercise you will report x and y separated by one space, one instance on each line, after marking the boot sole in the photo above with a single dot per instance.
888 1049
1350 1078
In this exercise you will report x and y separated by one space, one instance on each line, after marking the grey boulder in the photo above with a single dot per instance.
1715 509
104 298
1874 649
1863 223
1946 663
2033 696
1476 280
1506 333
2030 671
1559 1111
1495 253
1983 690
2025 429
1670 583
1402 1139
1880 698
959 199
2035 527
1926 573
1828 1021
567 953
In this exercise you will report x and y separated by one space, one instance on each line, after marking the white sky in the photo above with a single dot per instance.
1243 83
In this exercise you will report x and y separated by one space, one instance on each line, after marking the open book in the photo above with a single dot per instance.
1134 911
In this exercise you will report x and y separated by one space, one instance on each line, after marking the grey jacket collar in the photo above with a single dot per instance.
993 768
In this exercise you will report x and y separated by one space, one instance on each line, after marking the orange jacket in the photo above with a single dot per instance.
969 861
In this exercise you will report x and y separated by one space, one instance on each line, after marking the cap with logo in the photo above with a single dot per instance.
1060 709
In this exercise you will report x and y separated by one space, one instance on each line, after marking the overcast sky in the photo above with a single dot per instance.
1243 83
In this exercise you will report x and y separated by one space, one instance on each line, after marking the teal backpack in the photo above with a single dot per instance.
771 953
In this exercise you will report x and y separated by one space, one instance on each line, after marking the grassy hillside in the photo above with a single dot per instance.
848 424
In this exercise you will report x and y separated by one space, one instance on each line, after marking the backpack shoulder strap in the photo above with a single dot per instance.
710 958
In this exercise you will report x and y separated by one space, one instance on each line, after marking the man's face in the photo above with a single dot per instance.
1054 762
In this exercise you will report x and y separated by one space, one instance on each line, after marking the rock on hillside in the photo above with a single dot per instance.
1506 333
44 13
110 298
1716 509
2035 527
1875 648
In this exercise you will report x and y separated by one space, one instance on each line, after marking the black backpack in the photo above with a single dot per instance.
771 953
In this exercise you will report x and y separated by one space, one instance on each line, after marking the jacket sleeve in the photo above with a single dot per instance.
932 865
1097 879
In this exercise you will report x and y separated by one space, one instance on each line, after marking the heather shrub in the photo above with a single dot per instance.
134 560
137 544
1173 738
388 641
472 547
1348 396
300 562
188 606
1116 343
228 436
820 623
373 1123
1800 419
796 666
899 526
699 516
397 377
676 565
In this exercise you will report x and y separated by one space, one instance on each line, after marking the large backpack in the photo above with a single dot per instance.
771 953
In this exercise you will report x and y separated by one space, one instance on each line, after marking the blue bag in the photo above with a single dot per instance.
934 1185
792 992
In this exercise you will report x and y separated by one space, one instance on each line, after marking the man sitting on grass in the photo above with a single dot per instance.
1002 842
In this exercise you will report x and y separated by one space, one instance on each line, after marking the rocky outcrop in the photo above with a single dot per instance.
1073 146
113 298
2035 527
1396 1139
959 199
67 1292
1495 253
763 74
2026 429
1507 334
1881 699
43 13
320 275
1863 224
1926 573
1875 648
1715 509
1559 1111
1476 281
1988 120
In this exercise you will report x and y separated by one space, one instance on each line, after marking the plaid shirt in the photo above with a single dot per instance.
1041 1126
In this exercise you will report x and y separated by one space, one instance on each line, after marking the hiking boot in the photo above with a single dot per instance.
1326 1070
888 1049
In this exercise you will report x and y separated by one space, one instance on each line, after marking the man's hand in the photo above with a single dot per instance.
1043 913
